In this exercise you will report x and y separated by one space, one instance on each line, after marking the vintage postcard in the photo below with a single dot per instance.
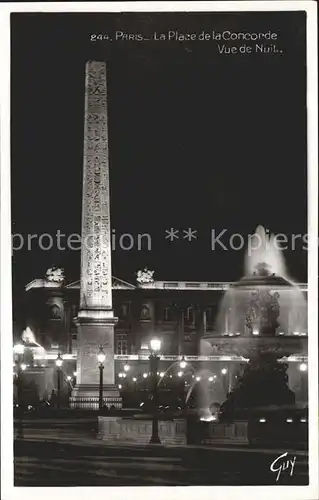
159 198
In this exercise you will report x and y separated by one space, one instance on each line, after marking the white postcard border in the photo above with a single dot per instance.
261 492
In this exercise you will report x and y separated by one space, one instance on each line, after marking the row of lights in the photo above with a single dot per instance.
288 420
19 349
256 332
179 374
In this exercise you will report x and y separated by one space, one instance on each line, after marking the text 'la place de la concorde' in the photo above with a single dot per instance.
179 36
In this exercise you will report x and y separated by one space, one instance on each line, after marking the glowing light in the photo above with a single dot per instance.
183 364
198 379
124 375
23 366
59 361
155 345
68 377
303 367
237 333
210 379
255 332
120 375
126 368
75 374
134 379
224 371
296 333
281 333
145 375
120 386
162 374
101 356
303 420
262 420
211 418
18 349
289 420
180 374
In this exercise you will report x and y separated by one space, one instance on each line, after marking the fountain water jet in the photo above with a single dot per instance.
266 251
265 301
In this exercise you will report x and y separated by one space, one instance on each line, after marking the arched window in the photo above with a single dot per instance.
145 312
168 313
209 315
124 310
189 315
55 311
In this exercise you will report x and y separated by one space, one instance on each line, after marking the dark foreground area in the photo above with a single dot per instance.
56 456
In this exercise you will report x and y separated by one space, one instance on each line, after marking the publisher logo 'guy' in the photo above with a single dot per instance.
282 464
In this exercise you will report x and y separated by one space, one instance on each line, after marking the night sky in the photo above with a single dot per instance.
197 139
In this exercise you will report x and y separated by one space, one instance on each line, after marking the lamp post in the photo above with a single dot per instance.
59 363
101 359
183 363
155 346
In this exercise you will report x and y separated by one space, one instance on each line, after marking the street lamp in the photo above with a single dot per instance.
182 363
101 359
59 363
303 367
155 346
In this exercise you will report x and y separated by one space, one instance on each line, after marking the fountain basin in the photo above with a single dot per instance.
246 347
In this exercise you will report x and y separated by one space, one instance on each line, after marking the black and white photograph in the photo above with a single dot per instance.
159 275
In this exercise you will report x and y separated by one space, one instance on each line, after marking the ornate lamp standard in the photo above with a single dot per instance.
101 359
59 363
155 346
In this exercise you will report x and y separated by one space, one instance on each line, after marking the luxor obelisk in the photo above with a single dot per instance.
95 319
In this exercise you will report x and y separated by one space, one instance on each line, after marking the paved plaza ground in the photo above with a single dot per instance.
55 455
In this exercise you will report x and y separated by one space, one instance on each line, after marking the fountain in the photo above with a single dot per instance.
265 313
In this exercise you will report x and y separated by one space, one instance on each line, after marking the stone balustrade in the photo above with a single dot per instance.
138 431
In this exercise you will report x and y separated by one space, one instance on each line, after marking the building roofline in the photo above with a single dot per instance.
118 283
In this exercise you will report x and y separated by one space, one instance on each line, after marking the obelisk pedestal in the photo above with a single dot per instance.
95 319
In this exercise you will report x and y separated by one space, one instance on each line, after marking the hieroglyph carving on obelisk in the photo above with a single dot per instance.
95 319
96 276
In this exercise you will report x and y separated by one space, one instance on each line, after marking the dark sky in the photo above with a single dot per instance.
197 139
